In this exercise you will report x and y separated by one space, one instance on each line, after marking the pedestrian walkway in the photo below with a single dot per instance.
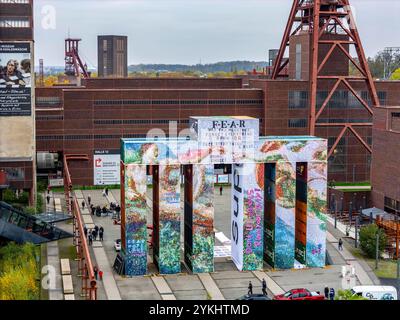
110 197
342 227
211 287
110 286
109 283
361 274
272 286
163 288
53 259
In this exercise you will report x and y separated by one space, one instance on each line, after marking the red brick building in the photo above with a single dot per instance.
85 119
385 174
94 117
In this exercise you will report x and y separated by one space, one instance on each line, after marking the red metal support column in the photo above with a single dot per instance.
314 66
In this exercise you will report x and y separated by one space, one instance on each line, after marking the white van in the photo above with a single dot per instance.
376 292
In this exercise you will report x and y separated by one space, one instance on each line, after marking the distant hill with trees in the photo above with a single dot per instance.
229 66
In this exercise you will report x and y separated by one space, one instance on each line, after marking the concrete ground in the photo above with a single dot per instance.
226 282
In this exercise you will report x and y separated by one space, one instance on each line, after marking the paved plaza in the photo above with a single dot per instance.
226 282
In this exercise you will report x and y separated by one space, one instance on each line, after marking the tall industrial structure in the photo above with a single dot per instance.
74 65
322 34
112 56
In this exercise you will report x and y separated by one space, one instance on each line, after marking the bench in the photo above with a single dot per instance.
67 284
69 297
65 267
57 204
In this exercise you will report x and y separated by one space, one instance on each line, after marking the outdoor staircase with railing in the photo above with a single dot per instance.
21 227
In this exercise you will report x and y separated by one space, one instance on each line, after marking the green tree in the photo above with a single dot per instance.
396 75
348 295
19 270
368 240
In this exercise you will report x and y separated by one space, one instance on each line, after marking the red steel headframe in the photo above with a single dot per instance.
318 18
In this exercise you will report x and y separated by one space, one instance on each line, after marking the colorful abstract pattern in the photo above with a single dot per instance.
202 259
182 151
277 232
285 215
136 220
253 221
316 214
169 219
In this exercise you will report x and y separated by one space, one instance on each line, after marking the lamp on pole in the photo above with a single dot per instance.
335 214
377 250
356 231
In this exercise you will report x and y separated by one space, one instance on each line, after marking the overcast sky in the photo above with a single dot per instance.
190 31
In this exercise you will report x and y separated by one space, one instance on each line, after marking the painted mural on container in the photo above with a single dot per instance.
169 220
316 214
203 219
285 215
136 211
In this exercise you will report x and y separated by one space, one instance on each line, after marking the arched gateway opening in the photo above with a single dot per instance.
278 198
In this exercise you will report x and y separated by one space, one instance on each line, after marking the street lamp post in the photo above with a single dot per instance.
336 214
356 231
377 250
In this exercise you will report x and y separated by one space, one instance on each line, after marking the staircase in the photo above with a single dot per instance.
21 227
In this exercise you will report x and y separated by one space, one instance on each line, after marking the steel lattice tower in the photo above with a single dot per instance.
73 63
334 18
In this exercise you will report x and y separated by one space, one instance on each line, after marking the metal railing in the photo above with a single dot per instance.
85 265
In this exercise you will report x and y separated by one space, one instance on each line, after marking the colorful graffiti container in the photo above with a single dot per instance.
265 211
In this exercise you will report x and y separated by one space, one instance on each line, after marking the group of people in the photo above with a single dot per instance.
98 272
264 288
92 234
329 293
15 73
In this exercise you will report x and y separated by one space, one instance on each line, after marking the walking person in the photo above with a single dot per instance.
107 192
332 294
118 210
264 287
101 275
250 288
220 190
89 199
101 233
326 292
90 239
85 231
340 244
94 235
48 199
83 204
95 271
104 192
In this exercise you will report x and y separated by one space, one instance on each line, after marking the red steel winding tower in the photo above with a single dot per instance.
332 43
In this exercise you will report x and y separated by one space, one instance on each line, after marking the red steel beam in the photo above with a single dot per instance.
285 40
314 66
337 141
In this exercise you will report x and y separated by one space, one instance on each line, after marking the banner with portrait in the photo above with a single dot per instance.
15 79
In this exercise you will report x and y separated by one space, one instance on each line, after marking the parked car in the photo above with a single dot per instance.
376 292
117 245
257 296
299 294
